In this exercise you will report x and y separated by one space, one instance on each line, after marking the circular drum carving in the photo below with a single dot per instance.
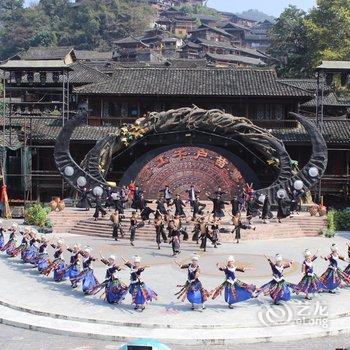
180 167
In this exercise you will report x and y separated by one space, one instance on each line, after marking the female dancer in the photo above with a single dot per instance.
43 256
2 238
334 277
133 227
310 282
278 288
58 265
235 290
140 293
159 225
115 290
193 288
73 270
24 246
215 231
30 255
174 235
89 281
10 246
347 269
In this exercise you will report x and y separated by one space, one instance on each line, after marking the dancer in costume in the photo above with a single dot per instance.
2 238
141 294
179 205
192 195
84 201
98 208
283 210
159 226
116 219
178 225
30 255
167 194
87 277
215 231
197 208
10 246
57 265
73 270
266 213
204 233
43 257
161 205
24 246
347 269
238 226
310 282
133 227
218 204
115 290
334 277
174 235
278 288
193 288
235 290
146 211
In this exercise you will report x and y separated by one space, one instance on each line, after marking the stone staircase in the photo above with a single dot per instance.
81 222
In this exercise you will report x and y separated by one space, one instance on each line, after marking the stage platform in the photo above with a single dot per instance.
80 222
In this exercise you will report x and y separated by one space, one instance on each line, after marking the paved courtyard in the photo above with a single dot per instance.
28 299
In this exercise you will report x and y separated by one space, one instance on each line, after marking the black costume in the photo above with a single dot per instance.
99 209
174 235
283 208
218 207
161 206
197 207
179 204
84 201
266 209
145 210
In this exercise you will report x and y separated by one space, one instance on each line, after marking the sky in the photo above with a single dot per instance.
270 7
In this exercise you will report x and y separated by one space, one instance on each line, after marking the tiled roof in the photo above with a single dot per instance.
86 55
194 82
335 132
213 43
46 53
304 84
84 74
236 59
211 28
329 99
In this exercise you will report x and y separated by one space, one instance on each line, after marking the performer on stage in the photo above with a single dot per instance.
204 232
10 246
283 208
174 235
235 290
197 208
178 225
2 238
238 226
296 201
159 226
23 248
116 219
310 282
192 195
73 270
215 231
161 205
89 281
43 256
266 210
278 288
179 205
141 294
236 207
218 205
146 211
219 192
58 265
167 194
133 227
196 231
30 255
84 201
109 198
115 290
193 288
334 277
98 208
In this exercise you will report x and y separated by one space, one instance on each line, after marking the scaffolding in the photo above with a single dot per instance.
34 91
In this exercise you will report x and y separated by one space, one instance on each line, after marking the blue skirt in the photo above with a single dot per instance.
30 255
141 294
89 282
196 294
278 291
333 279
59 271
115 291
43 262
2 241
239 291
72 272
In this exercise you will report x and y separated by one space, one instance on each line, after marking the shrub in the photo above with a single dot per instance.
36 215
342 220
329 231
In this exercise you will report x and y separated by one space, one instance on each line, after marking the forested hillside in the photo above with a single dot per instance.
91 24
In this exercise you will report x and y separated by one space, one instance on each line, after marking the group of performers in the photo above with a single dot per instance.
33 249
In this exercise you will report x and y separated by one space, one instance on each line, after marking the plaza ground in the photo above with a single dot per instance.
26 289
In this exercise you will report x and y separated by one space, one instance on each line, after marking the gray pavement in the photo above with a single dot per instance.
12 338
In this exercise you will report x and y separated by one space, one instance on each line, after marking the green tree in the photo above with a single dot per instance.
289 44
328 27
